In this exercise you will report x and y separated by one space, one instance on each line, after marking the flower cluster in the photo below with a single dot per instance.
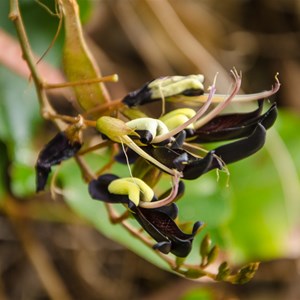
171 144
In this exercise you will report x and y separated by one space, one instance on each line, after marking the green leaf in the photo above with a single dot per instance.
23 179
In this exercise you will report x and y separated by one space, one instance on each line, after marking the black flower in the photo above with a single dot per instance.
171 144
158 222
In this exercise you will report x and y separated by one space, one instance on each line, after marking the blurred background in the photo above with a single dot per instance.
66 246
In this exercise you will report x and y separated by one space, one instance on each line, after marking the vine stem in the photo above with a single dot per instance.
16 18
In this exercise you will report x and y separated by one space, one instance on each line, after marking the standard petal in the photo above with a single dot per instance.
233 126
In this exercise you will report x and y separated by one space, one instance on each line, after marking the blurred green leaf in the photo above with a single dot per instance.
198 294
288 127
206 199
23 179
19 113
3 168
86 9
19 122
265 194
258 226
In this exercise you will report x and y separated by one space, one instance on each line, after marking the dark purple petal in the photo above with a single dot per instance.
199 166
146 136
179 159
164 247
234 126
171 210
42 174
193 167
131 156
57 150
233 120
240 149
192 92
268 119
172 158
138 97
179 140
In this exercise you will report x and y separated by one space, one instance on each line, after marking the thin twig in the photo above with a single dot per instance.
87 174
110 78
115 104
